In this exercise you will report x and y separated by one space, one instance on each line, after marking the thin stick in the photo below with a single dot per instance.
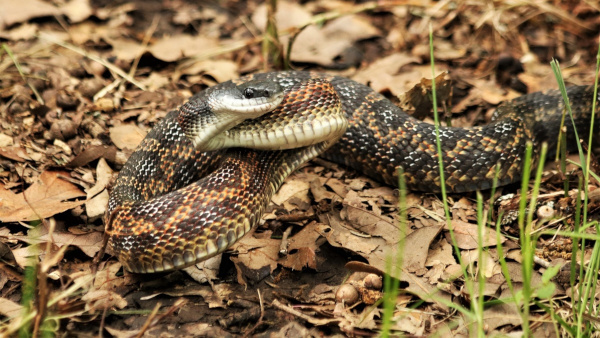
101 61
149 321
260 319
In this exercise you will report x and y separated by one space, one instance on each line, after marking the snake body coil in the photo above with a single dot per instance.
174 205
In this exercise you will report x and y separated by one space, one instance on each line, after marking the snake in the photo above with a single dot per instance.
203 176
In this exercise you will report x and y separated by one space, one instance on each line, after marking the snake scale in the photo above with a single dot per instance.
174 204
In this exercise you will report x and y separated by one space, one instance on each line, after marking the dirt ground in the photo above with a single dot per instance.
83 81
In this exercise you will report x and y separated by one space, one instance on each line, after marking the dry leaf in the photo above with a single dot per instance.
257 257
289 14
126 136
323 45
5 140
416 247
10 309
15 153
220 70
303 247
380 74
173 48
103 176
293 186
77 10
319 192
23 10
48 196
502 314
89 243
442 253
206 270
96 206
103 299
466 235
372 221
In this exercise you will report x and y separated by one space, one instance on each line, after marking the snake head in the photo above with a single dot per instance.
224 106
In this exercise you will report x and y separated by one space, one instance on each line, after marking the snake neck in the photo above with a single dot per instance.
259 166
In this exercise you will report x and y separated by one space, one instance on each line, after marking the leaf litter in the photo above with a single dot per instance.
102 85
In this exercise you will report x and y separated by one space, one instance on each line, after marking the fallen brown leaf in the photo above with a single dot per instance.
257 257
467 238
23 10
10 309
303 247
126 136
48 196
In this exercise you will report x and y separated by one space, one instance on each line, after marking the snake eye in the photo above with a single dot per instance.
248 93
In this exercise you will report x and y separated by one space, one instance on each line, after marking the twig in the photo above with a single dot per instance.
152 320
312 320
260 319
148 322
283 246
102 322
101 61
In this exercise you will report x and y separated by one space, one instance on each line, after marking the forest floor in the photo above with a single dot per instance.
83 81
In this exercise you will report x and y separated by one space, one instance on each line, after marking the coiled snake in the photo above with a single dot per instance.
178 200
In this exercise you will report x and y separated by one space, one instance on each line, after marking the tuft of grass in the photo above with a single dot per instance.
10 54
526 296
583 293
391 285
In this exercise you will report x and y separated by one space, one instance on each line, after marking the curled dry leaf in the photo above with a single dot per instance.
89 243
97 195
206 270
